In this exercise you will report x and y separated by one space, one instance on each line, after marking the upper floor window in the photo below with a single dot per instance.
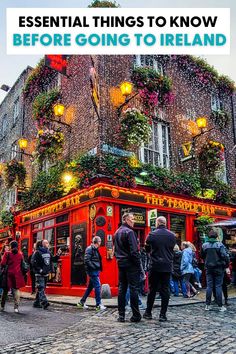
149 60
156 152
4 124
221 174
14 150
16 110
216 102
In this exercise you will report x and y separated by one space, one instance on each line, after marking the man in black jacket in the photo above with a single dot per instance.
129 264
42 264
160 243
93 266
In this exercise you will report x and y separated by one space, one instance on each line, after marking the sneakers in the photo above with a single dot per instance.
147 316
222 309
16 310
100 307
121 319
37 305
80 305
208 307
162 318
45 305
135 319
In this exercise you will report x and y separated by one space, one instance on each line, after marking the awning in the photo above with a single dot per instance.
230 223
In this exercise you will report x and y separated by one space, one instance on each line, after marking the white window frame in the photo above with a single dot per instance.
156 146
142 60
216 103
14 150
16 109
222 174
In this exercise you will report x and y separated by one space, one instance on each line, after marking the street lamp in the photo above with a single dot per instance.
58 110
201 122
23 144
67 177
126 88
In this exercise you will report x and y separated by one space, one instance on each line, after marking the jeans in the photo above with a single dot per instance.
127 298
32 276
16 297
129 277
94 283
174 284
198 274
214 278
41 283
158 281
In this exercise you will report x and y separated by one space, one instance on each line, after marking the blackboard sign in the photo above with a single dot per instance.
79 234
139 214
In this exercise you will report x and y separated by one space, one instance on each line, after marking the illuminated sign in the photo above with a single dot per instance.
56 62
139 214
186 151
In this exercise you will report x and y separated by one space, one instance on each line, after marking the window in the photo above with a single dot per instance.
4 124
156 152
12 197
222 173
149 60
216 102
14 150
16 110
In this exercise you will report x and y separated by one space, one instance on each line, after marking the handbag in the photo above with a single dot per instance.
24 267
3 275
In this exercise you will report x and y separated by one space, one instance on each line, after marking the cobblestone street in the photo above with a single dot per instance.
189 329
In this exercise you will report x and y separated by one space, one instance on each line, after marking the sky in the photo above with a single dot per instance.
12 65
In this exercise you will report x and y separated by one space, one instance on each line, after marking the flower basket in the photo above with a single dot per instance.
49 145
7 218
43 107
220 117
15 173
135 128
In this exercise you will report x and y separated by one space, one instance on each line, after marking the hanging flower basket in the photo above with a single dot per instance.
15 173
7 218
211 156
154 88
135 128
220 117
43 107
49 145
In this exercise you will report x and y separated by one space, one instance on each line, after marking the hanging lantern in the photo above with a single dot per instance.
67 177
201 122
126 88
58 109
23 143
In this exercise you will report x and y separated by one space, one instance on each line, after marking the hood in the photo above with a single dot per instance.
43 250
188 250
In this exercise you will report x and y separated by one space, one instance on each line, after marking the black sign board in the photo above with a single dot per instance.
79 234
25 248
139 214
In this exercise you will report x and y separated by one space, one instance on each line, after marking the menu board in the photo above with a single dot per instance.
78 274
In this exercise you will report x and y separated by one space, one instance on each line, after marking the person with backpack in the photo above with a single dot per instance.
42 264
15 277
216 261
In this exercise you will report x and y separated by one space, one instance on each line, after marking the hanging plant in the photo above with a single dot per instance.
220 117
43 107
15 173
154 88
135 128
7 218
202 222
211 156
39 78
49 145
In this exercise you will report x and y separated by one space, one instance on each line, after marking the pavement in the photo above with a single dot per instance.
64 329
112 303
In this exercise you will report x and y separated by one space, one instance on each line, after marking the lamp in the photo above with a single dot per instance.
67 177
1 167
23 143
58 109
201 122
126 88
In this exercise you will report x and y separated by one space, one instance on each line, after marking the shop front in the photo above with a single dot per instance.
6 236
71 222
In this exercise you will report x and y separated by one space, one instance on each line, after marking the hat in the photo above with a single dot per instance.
14 244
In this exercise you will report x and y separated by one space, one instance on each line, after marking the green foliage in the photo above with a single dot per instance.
101 3
43 106
210 160
49 145
135 128
7 218
202 222
15 173
221 118
46 188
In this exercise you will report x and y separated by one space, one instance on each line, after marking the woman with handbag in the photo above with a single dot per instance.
12 261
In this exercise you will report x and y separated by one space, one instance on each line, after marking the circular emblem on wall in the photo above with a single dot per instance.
91 194
115 193
101 234
92 211
100 221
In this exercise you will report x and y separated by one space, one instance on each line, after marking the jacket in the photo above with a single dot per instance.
215 255
15 278
42 261
187 261
92 259
160 243
176 264
126 248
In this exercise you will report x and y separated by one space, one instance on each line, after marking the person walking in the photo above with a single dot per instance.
93 266
42 264
15 278
160 243
32 274
176 277
186 267
216 261
129 265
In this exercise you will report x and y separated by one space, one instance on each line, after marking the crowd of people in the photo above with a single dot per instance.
157 267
